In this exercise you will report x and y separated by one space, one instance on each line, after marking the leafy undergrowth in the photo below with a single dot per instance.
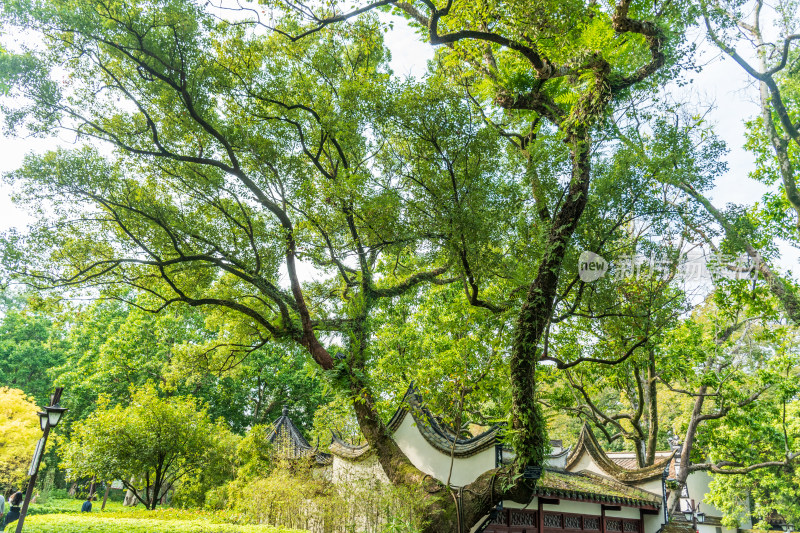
60 506
141 522
64 516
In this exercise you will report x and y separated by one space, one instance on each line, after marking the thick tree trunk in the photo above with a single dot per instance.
652 410
527 423
130 497
683 471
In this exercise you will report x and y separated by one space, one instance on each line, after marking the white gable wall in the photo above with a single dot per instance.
344 470
437 464
652 485
585 462
697 485
557 460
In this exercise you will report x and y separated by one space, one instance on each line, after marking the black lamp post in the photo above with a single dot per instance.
48 419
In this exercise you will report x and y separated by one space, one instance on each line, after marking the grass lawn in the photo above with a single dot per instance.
63 516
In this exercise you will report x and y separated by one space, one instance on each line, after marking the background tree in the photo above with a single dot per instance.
30 345
774 68
113 348
158 441
19 431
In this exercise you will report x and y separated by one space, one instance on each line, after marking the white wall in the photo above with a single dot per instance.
653 522
437 464
585 463
697 485
652 485
369 468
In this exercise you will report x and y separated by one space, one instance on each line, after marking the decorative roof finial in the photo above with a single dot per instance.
285 411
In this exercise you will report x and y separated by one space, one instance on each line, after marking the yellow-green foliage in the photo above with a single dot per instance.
91 523
295 495
19 430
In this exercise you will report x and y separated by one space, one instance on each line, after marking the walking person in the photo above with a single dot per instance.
13 513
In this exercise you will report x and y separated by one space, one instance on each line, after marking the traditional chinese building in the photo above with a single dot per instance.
581 489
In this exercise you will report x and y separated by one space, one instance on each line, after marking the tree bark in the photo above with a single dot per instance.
686 451
105 495
527 422
130 496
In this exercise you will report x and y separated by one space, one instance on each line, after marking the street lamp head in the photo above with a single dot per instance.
688 515
701 517
54 414
42 420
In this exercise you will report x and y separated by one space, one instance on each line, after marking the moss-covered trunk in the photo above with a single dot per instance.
527 424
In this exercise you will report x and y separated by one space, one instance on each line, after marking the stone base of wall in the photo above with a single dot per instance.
678 527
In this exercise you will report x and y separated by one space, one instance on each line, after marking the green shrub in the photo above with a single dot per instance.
217 498
72 505
300 496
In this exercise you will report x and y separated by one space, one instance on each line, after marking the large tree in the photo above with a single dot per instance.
276 173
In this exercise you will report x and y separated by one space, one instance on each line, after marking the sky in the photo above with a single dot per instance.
721 83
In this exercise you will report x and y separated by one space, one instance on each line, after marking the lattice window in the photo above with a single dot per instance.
630 527
613 525
499 518
552 521
591 522
519 518
572 522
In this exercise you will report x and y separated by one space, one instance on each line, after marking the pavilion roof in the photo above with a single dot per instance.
289 442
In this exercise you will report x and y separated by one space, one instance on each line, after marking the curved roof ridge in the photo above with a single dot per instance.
588 442
400 413
560 454
337 439
354 452
437 436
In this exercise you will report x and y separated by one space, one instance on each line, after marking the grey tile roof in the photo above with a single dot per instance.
588 486
289 443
